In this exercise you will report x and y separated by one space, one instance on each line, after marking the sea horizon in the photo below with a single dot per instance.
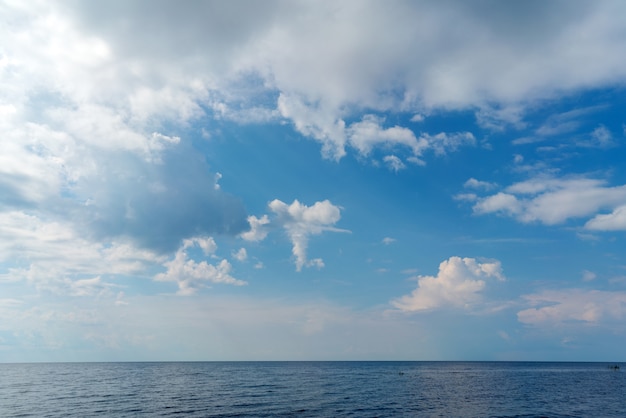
312 388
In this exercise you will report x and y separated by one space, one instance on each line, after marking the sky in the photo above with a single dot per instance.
312 180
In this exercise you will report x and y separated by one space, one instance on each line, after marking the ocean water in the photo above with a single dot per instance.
312 389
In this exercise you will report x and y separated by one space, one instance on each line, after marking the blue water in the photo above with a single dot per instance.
312 389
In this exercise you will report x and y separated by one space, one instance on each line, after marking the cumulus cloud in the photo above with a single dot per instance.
301 221
191 275
551 200
560 307
364 134
258 228
458 283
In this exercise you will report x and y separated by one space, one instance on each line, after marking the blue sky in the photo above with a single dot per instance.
312 180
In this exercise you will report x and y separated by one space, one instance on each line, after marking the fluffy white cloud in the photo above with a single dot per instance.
258 228
560 307
191 275
365 134
368 133
458 283
552 200
301 221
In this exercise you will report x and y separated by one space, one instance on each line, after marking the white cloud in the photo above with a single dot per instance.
472 183
88 90
394 163
241 255
54 257
367 133
418 118
588 276
321 124
560 307
191 275
458 283
614 221
498 203
301 221
444 142
601 137
218 177
467 197
258 228
552 200
174 62
207 244
388 240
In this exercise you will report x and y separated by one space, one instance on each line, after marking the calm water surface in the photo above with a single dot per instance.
312 389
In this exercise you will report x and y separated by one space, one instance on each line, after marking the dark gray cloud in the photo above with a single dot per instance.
157 205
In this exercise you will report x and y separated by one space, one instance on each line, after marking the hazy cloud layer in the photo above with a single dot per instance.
554 308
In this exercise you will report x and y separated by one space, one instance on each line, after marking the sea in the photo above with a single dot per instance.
312 389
